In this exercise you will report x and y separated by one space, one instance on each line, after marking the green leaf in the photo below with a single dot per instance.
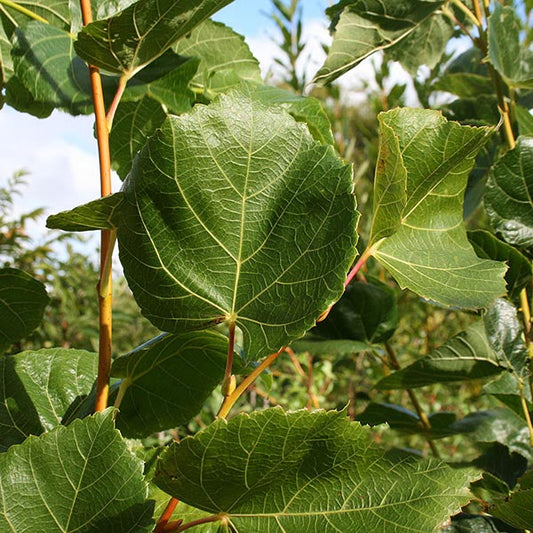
417 230
466 356
128 41
366 312
336 347
472 524
304 109
6 63
464 84
38 389
55 12
225 58
22 303
396 416
276 472
366 26
134 122
487 246
508 198
45 62
19 98
265 242
91 216
425 45
79 478
167 381
517 510
508 390
510 57
524 119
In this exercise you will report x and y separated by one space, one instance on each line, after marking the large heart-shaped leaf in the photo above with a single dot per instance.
362 27
22 303
39 388
291 472
417 230
264 242
166 382
79 478
508 198
128 41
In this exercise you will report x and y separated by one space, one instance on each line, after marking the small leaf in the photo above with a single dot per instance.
128 41
38 389
396 416
168 380
225 58
265 242
22 303
275 472
508 198
417 230
466 356
464 523
79 478
510 57
366 312
508 390
366 26
487 246
94 215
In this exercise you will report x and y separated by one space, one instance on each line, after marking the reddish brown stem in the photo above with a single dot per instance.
105 301
116 99
295 362
362 260
165 517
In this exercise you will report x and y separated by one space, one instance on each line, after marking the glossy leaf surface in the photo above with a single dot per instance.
168 380
39 388
22 303
275 472
421 176
266 241
79 478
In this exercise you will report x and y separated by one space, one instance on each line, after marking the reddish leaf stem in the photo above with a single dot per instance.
105 301
116 100
166 515
362 260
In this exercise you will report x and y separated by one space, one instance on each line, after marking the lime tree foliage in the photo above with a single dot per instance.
237 230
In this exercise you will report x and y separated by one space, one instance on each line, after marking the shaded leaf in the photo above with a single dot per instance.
487 246
91 216
511 58
464 84
417 230
6 63
424 45
55 12
22 303
128 41
225 58
362 27
366 312
38 389
509 390
19 98
275 471
78 478
396 416
265 242
517 510
508 198
168 380
473 524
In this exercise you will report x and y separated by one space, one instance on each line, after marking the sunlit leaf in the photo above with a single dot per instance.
168 381
524 119
265 242
22 303
275 472
91 216
79 478
128 41
417 231
39 388
508 198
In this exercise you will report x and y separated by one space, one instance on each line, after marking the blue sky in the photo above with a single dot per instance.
59 152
